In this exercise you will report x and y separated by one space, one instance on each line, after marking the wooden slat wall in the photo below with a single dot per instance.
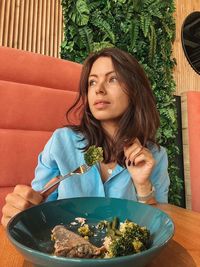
186 78
32 25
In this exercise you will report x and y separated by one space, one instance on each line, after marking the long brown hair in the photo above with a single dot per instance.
141 118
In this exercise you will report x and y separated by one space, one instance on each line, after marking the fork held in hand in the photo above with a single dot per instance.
80 170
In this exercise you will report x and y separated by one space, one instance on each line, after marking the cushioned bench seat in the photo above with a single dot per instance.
35 93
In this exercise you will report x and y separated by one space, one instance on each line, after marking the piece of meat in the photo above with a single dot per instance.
69 244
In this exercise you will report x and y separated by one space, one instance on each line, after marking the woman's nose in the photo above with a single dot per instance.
101 88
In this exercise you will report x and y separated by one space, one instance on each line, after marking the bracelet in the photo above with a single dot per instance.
144 199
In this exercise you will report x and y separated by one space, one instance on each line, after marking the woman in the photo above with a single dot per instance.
119 114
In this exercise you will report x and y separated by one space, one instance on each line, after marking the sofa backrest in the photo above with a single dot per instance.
35 93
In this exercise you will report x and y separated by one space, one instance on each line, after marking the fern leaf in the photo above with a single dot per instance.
155 12
137 5
104 27
145 23
98 46
86 37
94 6
134 30
152 47
147 3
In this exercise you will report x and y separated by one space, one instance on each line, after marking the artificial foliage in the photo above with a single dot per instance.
144 28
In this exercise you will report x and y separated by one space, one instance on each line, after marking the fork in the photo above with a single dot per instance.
80 170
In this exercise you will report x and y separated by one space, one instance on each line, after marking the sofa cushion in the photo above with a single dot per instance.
19 153
35 93
32 68
33 107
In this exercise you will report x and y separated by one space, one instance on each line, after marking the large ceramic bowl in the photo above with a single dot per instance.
30 230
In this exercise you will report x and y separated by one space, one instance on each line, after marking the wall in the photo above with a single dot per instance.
186 78
32 25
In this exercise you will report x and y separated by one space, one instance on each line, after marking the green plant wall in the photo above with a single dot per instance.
144 28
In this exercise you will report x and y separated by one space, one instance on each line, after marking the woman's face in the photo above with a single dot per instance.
106 97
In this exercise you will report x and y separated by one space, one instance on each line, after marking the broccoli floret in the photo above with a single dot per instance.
93 155
84 230
130 238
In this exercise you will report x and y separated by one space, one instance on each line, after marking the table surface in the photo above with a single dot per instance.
183 249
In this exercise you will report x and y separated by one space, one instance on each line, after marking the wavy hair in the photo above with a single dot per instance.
141 118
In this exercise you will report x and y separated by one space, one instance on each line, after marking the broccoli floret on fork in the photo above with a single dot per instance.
93 155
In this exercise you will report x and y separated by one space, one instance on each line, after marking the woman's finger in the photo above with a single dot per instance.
10 211
5 221
142 157
16 201
27 193
135 148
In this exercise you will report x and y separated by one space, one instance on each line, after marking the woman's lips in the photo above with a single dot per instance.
101 104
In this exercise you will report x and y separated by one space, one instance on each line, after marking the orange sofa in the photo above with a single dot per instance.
35 92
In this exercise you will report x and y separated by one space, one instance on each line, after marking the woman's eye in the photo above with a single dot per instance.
113 79
92 83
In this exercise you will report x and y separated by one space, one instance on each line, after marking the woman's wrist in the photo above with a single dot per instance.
146 193
143 189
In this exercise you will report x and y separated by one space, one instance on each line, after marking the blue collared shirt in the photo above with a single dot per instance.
62 154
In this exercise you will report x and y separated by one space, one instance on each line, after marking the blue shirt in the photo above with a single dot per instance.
62 154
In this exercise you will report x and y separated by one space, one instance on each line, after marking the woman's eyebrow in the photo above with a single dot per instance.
108 73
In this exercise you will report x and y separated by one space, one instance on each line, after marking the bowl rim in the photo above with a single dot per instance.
44 255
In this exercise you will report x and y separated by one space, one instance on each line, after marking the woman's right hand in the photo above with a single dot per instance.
21 198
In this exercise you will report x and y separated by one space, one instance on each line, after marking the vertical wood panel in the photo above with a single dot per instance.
35 18
16 24
60 30
47 28
55 29
52 28
39 27
33 25
11 23
6 22
186 151
2 11
30 27
21 20
26 25
43 28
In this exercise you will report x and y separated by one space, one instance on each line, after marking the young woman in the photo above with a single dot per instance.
119 114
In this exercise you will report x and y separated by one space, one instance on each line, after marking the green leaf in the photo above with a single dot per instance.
134 31
98 46
145 23
80 14
104 27
153 43
86 37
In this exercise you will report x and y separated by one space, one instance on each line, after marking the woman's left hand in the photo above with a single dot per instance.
140 163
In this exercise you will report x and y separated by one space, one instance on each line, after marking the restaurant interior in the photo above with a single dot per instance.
39 79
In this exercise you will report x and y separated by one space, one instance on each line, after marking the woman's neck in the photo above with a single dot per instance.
110 128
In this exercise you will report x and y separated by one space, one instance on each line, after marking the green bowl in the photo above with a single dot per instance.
30 230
